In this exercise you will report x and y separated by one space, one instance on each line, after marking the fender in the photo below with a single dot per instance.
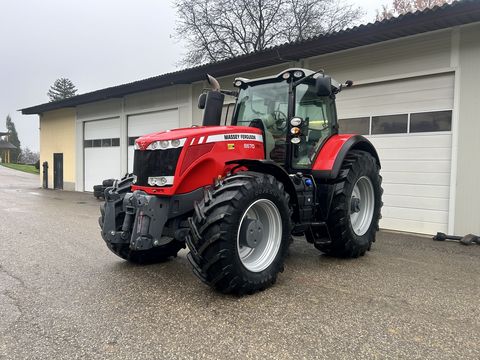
270 167
329 160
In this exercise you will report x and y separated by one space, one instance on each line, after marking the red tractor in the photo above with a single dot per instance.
236 194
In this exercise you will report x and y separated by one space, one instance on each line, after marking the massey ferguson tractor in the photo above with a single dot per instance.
236 194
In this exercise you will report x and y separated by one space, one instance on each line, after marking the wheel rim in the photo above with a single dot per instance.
259 235
362 205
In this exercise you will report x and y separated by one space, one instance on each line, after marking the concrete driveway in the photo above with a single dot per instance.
63 295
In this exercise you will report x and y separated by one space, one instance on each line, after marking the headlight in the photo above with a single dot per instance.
296 121
295 140
160 180
286 75
298 74
166 144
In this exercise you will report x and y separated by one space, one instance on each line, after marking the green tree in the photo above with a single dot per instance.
13 139
61 89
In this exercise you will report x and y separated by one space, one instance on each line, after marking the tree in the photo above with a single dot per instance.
61 89
13 139
28 156
401 7
219 29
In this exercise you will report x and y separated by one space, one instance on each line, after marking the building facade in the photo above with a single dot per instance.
414 96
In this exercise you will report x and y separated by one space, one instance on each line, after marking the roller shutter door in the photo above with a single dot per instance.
409 123
101 151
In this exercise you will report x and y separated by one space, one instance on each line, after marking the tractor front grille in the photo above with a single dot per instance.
147 163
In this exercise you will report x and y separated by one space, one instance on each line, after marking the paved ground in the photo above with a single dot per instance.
64 295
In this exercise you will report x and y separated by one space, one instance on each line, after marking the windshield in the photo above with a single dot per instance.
316 113
265 106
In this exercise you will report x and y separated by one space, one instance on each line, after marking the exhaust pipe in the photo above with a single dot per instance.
213 83
212 113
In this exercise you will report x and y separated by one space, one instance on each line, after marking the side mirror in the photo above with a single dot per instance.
202 100
323 86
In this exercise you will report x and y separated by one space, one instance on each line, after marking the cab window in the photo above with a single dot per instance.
266 106
316 113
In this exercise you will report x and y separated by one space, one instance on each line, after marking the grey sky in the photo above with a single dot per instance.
95 43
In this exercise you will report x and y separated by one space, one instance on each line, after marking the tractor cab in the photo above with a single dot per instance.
295 111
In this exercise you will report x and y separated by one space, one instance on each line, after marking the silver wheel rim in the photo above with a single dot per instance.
258 251
362 205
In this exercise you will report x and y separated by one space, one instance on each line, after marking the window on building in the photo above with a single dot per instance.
88 143
97 143
131 140
431 121
389 124
360 125
116 142
106 142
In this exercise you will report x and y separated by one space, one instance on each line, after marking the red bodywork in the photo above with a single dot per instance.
329 152
208 148
204 154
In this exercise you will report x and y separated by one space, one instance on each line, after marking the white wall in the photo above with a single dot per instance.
413 54
467 199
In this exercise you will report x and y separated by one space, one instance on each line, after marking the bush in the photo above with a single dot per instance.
37 165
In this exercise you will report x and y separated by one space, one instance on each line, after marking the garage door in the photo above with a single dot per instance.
102 151
409 122
143 124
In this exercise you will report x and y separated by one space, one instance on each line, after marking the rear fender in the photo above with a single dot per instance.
329 161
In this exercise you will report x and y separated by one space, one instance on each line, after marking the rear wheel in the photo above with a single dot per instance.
240 233
154 255
355 210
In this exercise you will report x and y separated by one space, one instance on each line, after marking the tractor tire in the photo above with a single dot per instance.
240 233
151 256
108 182
99 191
355 209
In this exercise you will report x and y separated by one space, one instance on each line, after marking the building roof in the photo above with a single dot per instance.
6 145
437 18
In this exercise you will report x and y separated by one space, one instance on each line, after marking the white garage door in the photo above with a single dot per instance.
409 122
143 124
102 151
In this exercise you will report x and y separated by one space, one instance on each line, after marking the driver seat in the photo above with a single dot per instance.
269 141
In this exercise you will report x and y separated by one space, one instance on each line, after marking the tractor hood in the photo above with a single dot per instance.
202 134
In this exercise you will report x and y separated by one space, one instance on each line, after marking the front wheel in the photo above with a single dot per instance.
240 233
355 210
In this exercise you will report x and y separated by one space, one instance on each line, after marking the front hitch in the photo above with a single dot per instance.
135 218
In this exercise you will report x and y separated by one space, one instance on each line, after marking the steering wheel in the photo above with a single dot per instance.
280 120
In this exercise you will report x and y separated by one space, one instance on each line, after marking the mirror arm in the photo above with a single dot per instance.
298 82
233 93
